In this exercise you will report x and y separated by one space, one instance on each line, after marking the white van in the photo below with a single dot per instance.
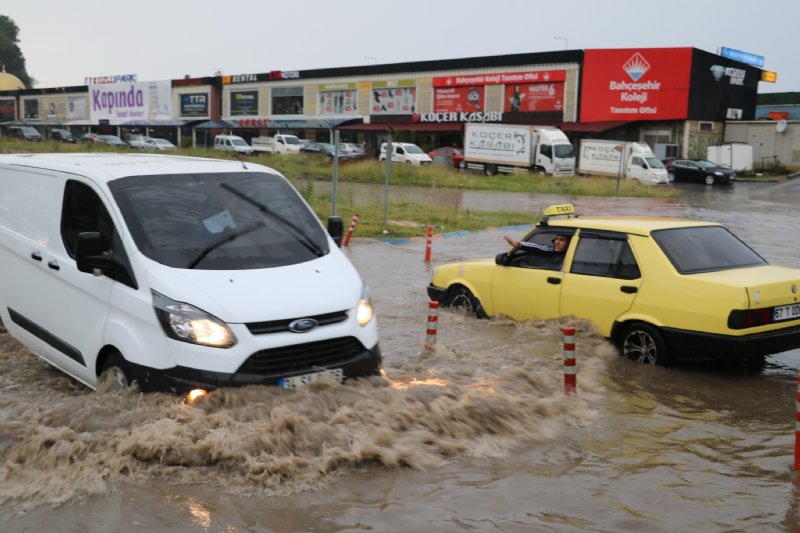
406 153
232 143
176 272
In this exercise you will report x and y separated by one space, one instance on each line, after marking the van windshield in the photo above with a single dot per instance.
219 221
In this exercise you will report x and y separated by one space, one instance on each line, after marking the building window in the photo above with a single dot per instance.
287 101
706 126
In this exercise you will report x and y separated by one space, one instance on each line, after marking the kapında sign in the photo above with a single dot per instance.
126 102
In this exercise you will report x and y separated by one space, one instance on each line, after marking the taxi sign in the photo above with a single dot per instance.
560 209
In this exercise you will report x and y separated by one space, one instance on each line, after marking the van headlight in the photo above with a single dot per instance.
187 323
364 311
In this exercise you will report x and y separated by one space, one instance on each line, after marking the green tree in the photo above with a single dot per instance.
10 55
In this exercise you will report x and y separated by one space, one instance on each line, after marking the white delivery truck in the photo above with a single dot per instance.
278 144
736 156
495 148
178 273
625 158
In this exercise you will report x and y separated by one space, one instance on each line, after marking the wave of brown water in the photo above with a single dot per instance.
61 442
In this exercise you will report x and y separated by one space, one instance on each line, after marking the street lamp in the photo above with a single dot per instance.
566 41
619 148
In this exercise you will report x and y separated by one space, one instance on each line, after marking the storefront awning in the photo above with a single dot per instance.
151 123
590 127
311 123
406 126
215 125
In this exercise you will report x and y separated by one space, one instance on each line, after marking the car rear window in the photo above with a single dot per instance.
705 249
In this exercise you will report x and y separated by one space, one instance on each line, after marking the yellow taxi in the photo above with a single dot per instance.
660 288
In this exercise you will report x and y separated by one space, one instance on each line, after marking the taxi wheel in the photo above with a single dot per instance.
115 375
642 342
460 297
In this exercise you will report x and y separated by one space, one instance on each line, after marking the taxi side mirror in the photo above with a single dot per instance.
502 259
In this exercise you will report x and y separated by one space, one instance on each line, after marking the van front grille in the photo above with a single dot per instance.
288 359
279 326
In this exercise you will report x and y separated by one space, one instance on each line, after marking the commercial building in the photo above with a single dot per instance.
678 100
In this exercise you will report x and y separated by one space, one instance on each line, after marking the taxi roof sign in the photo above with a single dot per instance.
557 210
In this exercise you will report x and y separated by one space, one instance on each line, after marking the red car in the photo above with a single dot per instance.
455 155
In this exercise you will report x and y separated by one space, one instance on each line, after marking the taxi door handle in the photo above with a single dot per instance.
553 280
628 289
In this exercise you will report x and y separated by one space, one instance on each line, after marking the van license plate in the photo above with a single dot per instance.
295 382
786 312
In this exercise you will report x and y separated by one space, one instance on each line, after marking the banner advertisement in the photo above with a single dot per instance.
393 98
8 109
54 108
244 103
458 99
76 108
531 97
337 102
635 84
502 78
194 105
119 103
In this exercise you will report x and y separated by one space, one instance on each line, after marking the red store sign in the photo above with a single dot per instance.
635 84
502 78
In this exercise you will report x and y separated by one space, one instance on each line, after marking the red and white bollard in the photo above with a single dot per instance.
433 319
353 222
570 368
428 245
797 427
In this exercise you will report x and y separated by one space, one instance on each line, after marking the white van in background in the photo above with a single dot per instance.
177 273
406 153
232 143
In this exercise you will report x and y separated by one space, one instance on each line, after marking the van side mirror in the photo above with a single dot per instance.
336 229
89 254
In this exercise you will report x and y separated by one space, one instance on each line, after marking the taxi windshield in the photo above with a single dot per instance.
705 249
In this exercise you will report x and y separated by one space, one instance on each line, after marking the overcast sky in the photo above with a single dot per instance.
65 41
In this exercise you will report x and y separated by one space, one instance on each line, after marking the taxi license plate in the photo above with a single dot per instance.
295 382
786 312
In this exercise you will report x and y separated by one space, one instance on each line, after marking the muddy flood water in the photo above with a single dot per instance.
476 436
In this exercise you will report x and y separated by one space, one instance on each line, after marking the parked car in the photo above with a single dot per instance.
453 155
89 137
134 139
232 143
151 143
699 170
353 150
111 140
65 136
405 153
308 146
657 287
328 149
27 133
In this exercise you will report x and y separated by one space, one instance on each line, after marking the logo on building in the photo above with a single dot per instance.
636 66
717 71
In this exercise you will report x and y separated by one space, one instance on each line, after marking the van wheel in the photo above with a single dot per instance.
490 170
709 180
114 376
460 297
642 342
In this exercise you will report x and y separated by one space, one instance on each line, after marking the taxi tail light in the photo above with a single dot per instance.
749 318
